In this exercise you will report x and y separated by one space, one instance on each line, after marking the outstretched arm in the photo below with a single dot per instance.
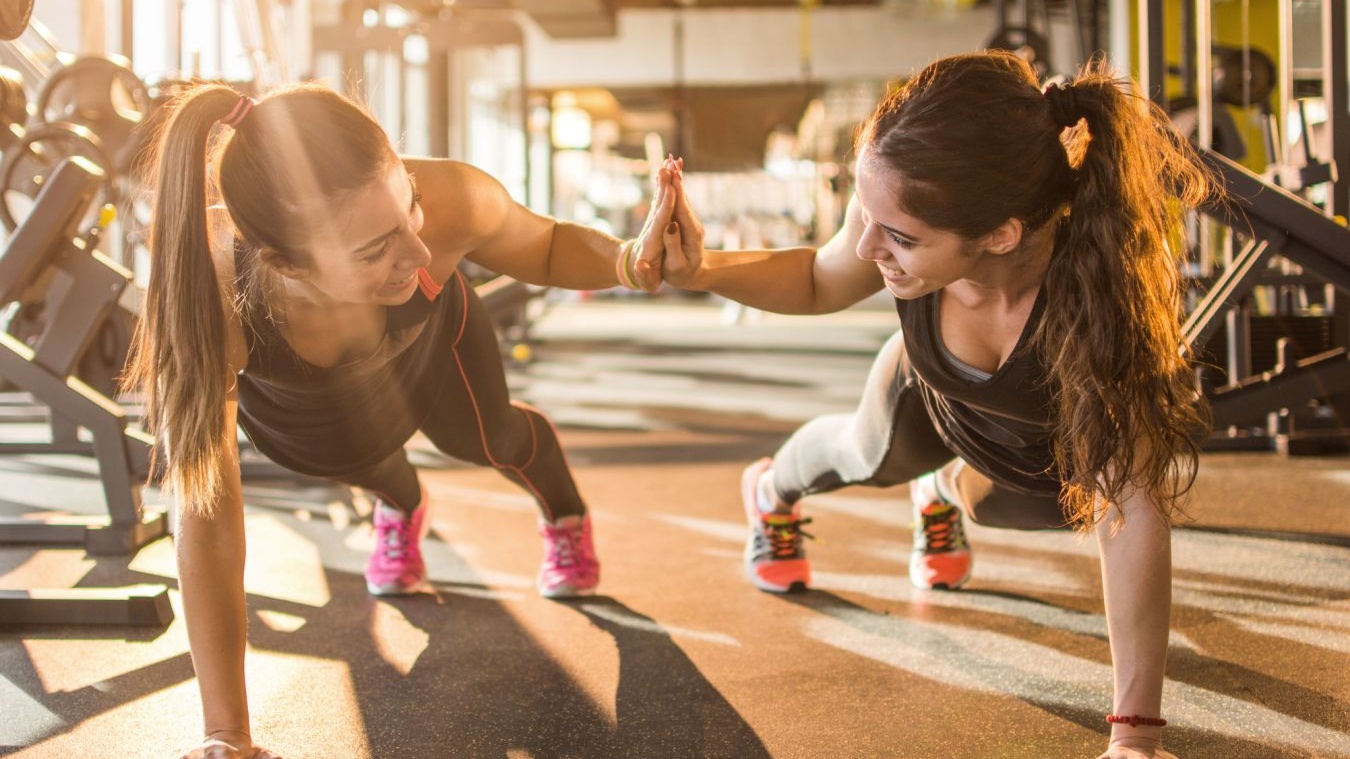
469 214
790 281
210 544
1136 559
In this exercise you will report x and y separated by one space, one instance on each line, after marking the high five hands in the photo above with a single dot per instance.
683 264
669 248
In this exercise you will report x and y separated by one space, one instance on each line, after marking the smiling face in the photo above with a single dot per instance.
914 258
368 250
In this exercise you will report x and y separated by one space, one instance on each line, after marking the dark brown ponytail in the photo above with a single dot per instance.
1127 408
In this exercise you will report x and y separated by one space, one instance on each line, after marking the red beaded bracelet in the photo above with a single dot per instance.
1135 720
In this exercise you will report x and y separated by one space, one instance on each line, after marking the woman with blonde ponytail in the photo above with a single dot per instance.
304 286
1039 379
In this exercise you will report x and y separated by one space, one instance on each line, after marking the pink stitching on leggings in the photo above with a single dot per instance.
534 437
478 416
464 314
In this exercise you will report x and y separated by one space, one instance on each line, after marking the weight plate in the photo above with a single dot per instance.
14 16
104 95
31 159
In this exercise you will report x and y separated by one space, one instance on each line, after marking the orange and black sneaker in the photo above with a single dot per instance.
774 558
941 557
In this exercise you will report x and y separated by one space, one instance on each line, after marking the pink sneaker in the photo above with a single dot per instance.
570 566
941 556
396 567
774 558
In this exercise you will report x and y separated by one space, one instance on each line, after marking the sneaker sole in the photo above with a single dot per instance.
949 587
943 585
769 587
567 592
397 590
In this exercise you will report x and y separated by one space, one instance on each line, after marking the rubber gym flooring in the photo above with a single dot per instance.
661 404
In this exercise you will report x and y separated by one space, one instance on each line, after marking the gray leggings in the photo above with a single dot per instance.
889 440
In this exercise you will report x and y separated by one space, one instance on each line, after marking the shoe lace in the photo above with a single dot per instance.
785 535
392 537
564 546
940 533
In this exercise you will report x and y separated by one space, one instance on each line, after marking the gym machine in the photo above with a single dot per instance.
1277 380
1296 401
1031 33
81 287
51 253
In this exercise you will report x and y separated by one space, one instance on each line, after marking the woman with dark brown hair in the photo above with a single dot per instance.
305 285
1039 379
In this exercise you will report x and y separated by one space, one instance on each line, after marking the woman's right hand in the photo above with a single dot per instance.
684 264
230 746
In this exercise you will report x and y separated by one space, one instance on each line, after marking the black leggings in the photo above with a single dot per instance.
889 440
473 419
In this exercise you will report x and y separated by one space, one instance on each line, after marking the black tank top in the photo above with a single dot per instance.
330 421
1000 426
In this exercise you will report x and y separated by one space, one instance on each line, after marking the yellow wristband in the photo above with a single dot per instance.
621 265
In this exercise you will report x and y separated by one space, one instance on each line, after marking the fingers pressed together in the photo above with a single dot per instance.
654 240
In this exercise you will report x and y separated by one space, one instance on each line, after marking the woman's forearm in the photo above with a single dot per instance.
580 258
786 281
1137 587
781 281
211 581
800 280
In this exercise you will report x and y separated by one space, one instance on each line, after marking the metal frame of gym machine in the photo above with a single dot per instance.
47 251
1271 221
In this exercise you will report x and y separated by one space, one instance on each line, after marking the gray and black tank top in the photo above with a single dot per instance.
1001 424
330 421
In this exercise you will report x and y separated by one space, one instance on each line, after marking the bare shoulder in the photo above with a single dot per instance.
463 205
220 233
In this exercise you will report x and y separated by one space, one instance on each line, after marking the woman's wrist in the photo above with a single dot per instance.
702 279
1137 736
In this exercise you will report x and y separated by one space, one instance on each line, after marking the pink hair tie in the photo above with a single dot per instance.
238 112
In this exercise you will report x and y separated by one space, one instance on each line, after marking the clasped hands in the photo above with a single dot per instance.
669 248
